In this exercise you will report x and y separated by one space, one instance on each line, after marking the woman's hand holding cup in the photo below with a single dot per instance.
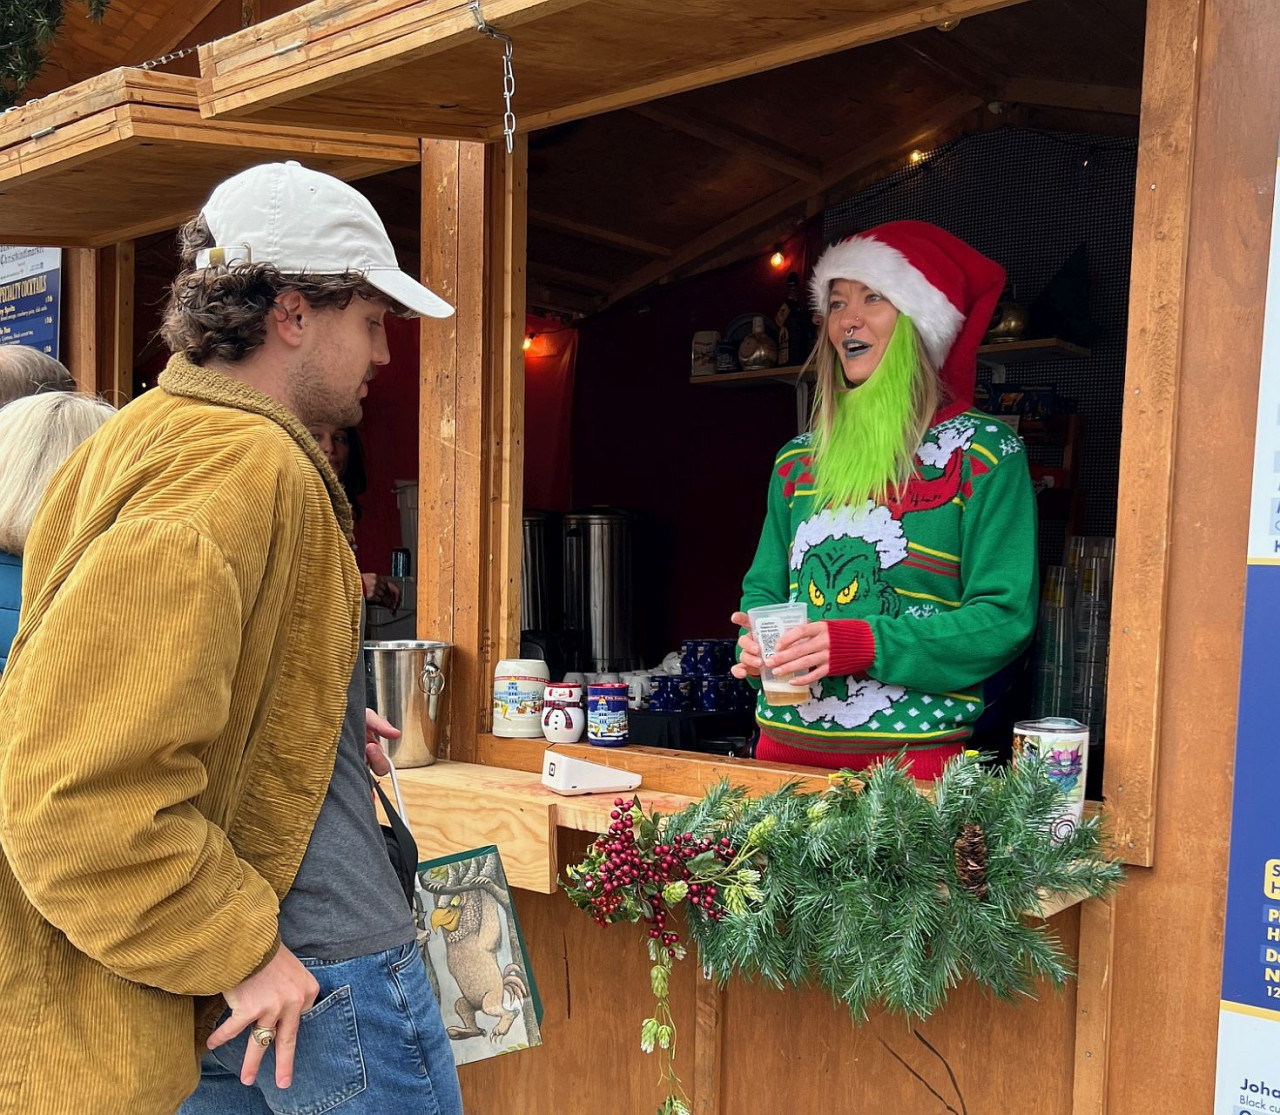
803 654
749 661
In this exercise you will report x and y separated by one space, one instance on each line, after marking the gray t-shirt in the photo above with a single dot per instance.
346 900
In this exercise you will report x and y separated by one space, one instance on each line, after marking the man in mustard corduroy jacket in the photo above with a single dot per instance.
196 904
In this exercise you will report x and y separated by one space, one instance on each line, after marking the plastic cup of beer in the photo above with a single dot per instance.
769 623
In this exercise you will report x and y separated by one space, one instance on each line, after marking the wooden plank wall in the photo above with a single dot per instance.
1168 920
751 1049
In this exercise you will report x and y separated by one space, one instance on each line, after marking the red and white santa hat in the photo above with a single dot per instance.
948 289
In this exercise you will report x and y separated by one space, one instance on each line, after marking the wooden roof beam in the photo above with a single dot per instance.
596 234
169 29
562 276
941 54
876 28
940 116
544 296
737 141
1065 94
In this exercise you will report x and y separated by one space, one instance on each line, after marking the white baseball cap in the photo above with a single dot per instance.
303 222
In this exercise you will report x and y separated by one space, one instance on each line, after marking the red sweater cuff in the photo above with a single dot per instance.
853 646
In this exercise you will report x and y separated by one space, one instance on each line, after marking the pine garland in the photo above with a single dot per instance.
872 890
27 29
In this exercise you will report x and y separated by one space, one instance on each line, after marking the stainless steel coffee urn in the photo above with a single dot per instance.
598 607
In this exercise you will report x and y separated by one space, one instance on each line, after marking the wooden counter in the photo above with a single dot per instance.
453 807
456 806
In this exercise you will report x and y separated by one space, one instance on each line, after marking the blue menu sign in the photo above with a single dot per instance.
30 297
1249 1020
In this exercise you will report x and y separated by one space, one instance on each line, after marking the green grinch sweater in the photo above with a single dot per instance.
928 596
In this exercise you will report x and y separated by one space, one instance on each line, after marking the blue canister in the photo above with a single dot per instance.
705 656
685 694
661 697
689 656
713 693
607 714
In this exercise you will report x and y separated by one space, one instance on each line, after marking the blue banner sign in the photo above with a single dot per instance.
1249 1021
31 297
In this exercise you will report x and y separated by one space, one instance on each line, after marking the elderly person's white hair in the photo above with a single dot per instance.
37 434
28 371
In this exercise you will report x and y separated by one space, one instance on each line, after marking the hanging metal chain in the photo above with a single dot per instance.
508 74
164 59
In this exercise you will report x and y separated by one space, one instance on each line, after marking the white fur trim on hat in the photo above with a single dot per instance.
890 273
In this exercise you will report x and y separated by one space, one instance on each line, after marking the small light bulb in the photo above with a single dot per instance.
527 344
777 260
916 156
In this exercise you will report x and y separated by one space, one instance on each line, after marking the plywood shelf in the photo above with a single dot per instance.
755 375
1042 348
127 153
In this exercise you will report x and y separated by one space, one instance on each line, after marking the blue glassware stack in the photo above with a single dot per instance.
704 683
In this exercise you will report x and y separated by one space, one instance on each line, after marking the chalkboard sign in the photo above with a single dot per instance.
31 297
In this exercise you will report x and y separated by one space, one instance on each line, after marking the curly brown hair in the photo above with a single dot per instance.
220 313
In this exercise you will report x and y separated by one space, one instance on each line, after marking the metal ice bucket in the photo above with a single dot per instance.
405 680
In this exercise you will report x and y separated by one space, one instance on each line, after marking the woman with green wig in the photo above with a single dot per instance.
904 519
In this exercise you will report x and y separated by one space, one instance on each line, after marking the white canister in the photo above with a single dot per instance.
1062 745
703 357
563 717
518 684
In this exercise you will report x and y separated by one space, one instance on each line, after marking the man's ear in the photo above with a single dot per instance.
288 317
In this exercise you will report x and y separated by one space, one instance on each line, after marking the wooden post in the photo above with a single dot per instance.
80 310
1158 299
1093 1006
98 304
120 366
472 400
1169 919
506 206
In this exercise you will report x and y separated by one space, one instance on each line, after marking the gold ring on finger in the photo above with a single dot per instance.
263 1035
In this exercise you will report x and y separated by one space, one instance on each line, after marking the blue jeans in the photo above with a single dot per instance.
372 1044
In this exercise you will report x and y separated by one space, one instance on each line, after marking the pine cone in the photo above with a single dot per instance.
971 860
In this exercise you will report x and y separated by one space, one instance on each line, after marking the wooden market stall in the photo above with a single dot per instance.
1210 115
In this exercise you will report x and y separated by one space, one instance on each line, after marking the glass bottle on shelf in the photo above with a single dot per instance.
1055 648
794 329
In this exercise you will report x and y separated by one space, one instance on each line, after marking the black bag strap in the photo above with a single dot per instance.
407 868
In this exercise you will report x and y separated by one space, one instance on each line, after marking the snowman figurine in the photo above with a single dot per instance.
563 718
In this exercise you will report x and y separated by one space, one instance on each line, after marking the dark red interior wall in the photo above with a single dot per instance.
692 460
549 367
389 436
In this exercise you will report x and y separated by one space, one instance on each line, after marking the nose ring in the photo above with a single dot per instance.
849 332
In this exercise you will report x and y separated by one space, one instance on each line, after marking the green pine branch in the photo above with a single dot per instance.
861 895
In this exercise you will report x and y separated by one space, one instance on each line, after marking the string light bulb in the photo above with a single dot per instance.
916 157
948 25
527 343
777 261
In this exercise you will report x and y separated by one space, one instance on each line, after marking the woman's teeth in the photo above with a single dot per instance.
854 348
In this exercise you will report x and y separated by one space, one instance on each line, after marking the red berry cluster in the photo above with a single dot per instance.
627 869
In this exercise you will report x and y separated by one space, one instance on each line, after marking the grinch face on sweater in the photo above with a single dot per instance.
839 556
845 582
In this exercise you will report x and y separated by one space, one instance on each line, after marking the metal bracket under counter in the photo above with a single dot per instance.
453 807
